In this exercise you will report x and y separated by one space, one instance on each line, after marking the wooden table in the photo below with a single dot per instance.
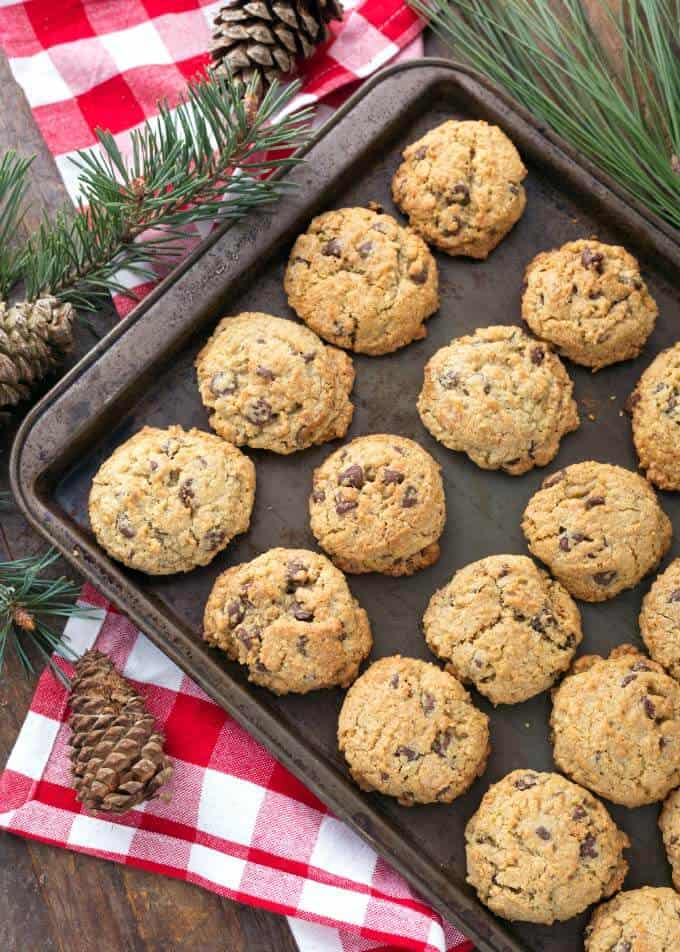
52 898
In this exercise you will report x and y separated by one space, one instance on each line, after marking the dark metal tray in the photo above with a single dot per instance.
142 373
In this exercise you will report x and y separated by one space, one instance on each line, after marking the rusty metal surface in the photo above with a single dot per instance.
142 373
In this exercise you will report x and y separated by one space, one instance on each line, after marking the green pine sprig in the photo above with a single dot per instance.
210 159
13 183
28 601
621 109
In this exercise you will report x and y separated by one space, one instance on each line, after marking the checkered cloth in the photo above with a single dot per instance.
238 823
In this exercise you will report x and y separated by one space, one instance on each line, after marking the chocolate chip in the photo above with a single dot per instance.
592 260
365 248
259 412
223 382
537 356
318 495
595 295
352 476
236 612
296 575
578 813
460 194
332 249
564 543
587 848
308 358
648 705
408 752
301 613
421 153
345 505
248 638
594 501
626 679
427 703
543 833
392 476
513 188
410 498
604 578
449 380
526 782
553 480
214 538
302 436
186 493
153 465
538 622
420 276
640 666
173 477
265 373
302 643
672 404
394 681
441 743
124 526
674 596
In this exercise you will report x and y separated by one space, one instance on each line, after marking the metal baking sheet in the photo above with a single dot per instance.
142 373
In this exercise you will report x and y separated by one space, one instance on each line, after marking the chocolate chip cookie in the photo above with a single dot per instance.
461 187
589 300
169 500
409 730
540 848
499 396
669 824
599 529
290 618
504 625
660 619
361 281
637 920
616 727
272 384
377 505
655 409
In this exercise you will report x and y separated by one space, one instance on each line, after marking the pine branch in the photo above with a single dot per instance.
13 185
622 113
210 159
27 602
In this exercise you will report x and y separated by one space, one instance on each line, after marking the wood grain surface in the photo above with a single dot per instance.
52 899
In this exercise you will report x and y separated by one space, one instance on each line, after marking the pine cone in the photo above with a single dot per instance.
117 756
34 338
266 37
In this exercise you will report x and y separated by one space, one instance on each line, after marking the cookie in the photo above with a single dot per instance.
409 730
637 920
540 848
290 618
655 409
377 505
599 529
660 619
461 187
169 500
616 727
361 281
499 396
504 625
589 301
669 824
273 385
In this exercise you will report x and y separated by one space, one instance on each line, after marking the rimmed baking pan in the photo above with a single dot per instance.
142 373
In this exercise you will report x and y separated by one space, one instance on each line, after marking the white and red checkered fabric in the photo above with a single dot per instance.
238 823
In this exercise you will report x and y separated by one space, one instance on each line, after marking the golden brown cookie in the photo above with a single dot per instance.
272 384
637 920
169 500
461 187
669 824
589 301
504 625
599 529
289 616
655 409
361 281
378 505
616 727
660 619
409 730
540 848
499 396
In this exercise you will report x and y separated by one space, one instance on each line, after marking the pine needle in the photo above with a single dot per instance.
210 159
13 184
621 110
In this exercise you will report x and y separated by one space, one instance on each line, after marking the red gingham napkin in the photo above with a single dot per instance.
238 823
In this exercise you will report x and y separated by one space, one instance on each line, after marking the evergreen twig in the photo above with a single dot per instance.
621 110
27 602
210 159
13 184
